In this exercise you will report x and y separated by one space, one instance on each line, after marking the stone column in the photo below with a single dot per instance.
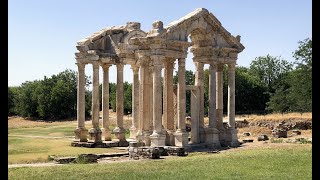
95 131
232 132
81 132
212 133
119 131
157 138
135 102
168 109
219 93
181 135
195 116
199 76
144 102
150 77
212 96
106 132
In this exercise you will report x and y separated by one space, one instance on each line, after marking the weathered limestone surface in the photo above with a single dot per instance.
106 132
95 132
149 52
81 132
168 106
181 136
119 131
135 102
157 138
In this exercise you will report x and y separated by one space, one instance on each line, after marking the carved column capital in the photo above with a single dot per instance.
231 67
105 66
199 66
212 66
144 60
220 67
182 61
95 65
81 66
119 66
135 69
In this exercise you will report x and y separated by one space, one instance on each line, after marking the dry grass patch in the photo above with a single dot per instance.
15 122
277 117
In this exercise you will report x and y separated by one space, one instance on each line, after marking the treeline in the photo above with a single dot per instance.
269 84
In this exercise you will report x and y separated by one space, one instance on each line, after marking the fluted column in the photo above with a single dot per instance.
199 76
219 93
212 96
168 107
231 95
181 136
119 131
144 102
135 102
195 139
212 133
81 132
232 131
106 133
157 138
150 77
95 131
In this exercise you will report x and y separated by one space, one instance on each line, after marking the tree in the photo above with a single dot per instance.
294 91
250 95
300 93
51 98
268 69
27 99
12 100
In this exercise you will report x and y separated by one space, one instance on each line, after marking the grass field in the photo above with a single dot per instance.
33 142
280 162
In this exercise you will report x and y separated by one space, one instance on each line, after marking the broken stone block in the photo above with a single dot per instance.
247 140
279 133
262 137
296 132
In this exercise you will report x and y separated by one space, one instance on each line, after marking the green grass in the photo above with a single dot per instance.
290 162
34 144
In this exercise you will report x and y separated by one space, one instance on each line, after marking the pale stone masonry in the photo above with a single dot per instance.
159 110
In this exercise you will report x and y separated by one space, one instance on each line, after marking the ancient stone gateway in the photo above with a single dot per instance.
148 53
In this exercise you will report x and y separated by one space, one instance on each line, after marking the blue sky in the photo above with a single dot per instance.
43 34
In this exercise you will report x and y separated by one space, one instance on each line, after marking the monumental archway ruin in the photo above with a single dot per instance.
147 54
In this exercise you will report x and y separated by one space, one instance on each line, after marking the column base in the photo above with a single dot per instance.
232 137
139 136
120 133
169 137
81 134
181 138
202 135
133 132
212 137
95 135
146 138
106 134
157 140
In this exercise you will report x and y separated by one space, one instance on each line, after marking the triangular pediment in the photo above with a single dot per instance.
203 22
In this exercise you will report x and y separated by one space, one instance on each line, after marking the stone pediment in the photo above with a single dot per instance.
204 26
110 41
210 41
